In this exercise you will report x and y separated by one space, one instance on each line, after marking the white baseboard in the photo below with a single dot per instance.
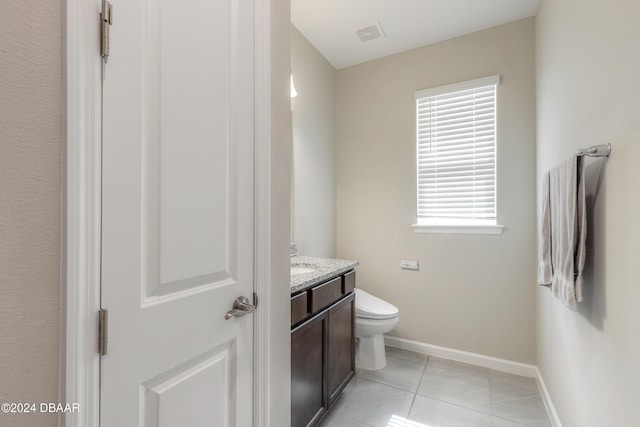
546 398
503 365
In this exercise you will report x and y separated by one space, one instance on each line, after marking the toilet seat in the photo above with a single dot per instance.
371 307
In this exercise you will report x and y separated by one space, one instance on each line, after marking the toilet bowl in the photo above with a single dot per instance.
374 317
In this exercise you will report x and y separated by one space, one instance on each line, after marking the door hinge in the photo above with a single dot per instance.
103 331
105 22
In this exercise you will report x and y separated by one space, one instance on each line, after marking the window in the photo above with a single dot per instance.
456 158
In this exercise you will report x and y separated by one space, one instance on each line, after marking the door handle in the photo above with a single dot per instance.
241 306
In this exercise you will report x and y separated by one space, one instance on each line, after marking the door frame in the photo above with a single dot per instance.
80 299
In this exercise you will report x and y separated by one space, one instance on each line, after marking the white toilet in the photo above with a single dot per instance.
374 317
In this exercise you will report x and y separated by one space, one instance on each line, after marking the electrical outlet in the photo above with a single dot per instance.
408 265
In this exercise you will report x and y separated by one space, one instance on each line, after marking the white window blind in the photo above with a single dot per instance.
456 153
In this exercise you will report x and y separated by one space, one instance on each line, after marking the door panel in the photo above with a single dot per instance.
192 393
190 151
190 172
177 211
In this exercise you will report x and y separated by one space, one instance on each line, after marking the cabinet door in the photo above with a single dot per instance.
341 346
308 367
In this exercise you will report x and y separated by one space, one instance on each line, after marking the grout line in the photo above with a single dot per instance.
385 384
423 371
508 366
411 406
426 362
447 402
457 405
491 400
506 419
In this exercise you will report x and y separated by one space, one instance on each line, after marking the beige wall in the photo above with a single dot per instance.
588 79
30 206
314 149
473 293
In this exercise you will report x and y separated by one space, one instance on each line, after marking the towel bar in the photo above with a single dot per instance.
595 151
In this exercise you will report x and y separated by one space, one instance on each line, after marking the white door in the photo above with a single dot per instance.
177 236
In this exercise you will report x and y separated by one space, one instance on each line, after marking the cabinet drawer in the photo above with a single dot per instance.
325 294
299 308
349 282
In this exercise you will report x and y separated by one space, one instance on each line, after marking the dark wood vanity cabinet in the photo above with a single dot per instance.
322 349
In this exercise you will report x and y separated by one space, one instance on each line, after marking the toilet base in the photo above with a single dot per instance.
371 352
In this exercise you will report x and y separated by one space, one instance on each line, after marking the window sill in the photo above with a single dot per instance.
458 229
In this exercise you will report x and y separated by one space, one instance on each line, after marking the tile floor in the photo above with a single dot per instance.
415 390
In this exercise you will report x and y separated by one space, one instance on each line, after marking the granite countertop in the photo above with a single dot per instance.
308 271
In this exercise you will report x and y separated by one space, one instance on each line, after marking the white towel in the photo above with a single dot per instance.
563 232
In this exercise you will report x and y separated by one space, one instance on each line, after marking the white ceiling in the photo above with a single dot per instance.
330 25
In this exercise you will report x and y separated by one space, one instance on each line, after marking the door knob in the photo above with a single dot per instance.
241 306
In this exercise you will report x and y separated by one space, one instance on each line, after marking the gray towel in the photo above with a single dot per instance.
545 268
563 231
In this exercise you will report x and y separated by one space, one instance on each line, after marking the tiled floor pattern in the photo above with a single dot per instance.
415 390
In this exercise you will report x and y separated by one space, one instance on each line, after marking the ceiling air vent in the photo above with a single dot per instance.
371 32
